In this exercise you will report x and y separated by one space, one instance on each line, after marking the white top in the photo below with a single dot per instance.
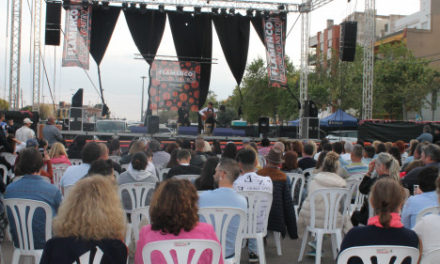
251 181
202 112
24 133
74 174
346 156
428 230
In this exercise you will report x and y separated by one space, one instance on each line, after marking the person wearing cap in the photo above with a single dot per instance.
282 215
51 133
25 132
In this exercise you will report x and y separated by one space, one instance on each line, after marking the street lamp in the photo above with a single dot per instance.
142 100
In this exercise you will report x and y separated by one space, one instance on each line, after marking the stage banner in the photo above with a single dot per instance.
274 40
77 36
173 83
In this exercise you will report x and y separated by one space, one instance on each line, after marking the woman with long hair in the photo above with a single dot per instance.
90 216
290 164
230 151
58 154
137 146
206 179
174 215
385 227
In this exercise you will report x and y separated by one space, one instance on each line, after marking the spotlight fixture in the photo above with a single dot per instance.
66 4
223 12
133 6
95 4
85 4
266 14
250 12
161 8
232 11
214 10
281 7
257 13
125 6
197 10
105 4
143 8
179 9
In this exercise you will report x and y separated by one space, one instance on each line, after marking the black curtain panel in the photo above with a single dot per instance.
103 23
146 28
233 33
192 36
257 22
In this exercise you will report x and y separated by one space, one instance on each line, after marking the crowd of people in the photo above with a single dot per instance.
398 179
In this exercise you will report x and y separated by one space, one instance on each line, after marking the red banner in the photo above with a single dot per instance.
77 37
274 39
173 83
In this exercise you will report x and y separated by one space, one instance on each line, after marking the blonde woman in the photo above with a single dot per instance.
58 154
137 146
90 217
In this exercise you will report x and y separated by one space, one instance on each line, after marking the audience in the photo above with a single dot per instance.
173 213
136 146
75 149
355 166
307 160
184 168
395 152
385 228
58 154
411 151
290 164
33 187
115 147
51 133
265 147
426 196
297 146
230 151
426 136
368 154
25 132
206 179
103 168
226 173
90 217
200 157
160 157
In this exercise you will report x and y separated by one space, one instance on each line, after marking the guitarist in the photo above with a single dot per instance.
208 116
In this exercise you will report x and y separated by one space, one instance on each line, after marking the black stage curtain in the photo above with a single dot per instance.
233 33
257 22
192 36
103 23
389 131
146 28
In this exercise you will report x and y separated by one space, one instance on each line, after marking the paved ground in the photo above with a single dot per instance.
290 250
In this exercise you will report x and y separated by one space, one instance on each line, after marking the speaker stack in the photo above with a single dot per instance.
76 111
263 126
53 23
153 124
348 40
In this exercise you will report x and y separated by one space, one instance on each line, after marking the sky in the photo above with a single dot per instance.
121 71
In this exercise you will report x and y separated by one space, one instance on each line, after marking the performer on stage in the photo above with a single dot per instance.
183 113
208 116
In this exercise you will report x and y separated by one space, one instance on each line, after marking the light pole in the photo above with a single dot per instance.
142 100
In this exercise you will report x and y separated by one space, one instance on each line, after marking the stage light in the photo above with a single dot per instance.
232 11
250 12
133 6
214 10
85 4
257 13
197 10
66 4
161 8
266 14
105 4
124 6
281 7
179 9
143 8
223 12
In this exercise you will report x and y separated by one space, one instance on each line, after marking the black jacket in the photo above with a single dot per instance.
67 250
183 170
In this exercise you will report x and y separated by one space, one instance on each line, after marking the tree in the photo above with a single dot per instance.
4 105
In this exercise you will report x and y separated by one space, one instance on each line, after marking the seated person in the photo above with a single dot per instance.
307 160
427 197
58 154
90 217
385 228
173 214
184 168
206 180
428 228
355 166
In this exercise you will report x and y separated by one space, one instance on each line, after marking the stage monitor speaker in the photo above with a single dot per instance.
53 23
310 110
88 126
348 40
310 128
153 124
76 113
263 126
77 98
75 125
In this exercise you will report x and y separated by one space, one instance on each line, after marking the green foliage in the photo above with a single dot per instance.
4 105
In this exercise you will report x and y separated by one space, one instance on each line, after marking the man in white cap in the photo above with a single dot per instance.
25 132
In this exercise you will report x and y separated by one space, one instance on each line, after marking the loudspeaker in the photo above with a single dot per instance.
53 23
75 125
77 98
347 49
153 124
76 113
310 128
89 127
263 125
310 109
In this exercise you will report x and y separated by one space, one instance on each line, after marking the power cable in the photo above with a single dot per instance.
294 23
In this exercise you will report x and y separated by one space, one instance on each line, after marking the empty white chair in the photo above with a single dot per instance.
383 254
220 218
137 215
335 202
431 257
356 195
22 212
162 172
4 173
189 177
85 258
76 161
58 171
182 247
259 204
115 158
297 182
427 211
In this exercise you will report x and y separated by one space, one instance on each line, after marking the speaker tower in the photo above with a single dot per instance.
348 40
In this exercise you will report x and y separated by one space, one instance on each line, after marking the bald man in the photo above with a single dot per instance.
51 133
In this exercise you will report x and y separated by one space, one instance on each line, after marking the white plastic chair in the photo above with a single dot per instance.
308 172
189 177
162 173
335 201
296 179
427 211
259 204
115 158
383 254
353 186
85 258
76 161
137 215
22 211
431 257
10 158
220 218
58 171
182 247
125 166
4 173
